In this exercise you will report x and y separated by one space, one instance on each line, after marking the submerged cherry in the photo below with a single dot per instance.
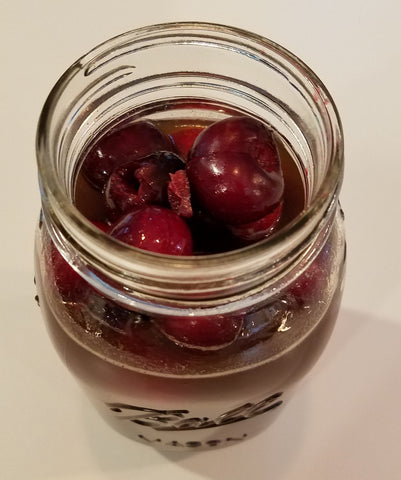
156 229
232 187
308 287
71 286
240 134
204 333
235 172
119 146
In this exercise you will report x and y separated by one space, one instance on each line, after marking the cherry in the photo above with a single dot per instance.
156 229
232 187
71 286
239 134
201 332
307 288
141 181
234 170
119 146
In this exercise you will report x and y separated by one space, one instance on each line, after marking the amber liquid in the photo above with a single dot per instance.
178 410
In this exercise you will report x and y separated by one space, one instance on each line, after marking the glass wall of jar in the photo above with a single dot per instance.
113 311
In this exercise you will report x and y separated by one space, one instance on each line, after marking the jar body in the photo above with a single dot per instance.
220 397
286 296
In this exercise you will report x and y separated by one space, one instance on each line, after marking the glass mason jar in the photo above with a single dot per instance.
282 293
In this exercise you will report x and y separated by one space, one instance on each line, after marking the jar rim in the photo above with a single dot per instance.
176 271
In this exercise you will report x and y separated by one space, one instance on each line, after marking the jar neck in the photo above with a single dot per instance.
215 284
136 277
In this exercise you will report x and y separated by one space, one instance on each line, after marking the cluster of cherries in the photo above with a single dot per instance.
199 190
162 198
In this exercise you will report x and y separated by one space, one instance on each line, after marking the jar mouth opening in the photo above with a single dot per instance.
78 232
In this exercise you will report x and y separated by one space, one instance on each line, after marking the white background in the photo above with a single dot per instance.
345 421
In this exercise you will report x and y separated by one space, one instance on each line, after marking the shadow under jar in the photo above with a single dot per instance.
104 301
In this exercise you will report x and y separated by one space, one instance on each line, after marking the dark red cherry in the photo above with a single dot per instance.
119 146
239 134
71 286
232 186
156 229
234 170
141 181
307 288
201 332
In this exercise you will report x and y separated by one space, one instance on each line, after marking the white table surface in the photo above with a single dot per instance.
345 421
